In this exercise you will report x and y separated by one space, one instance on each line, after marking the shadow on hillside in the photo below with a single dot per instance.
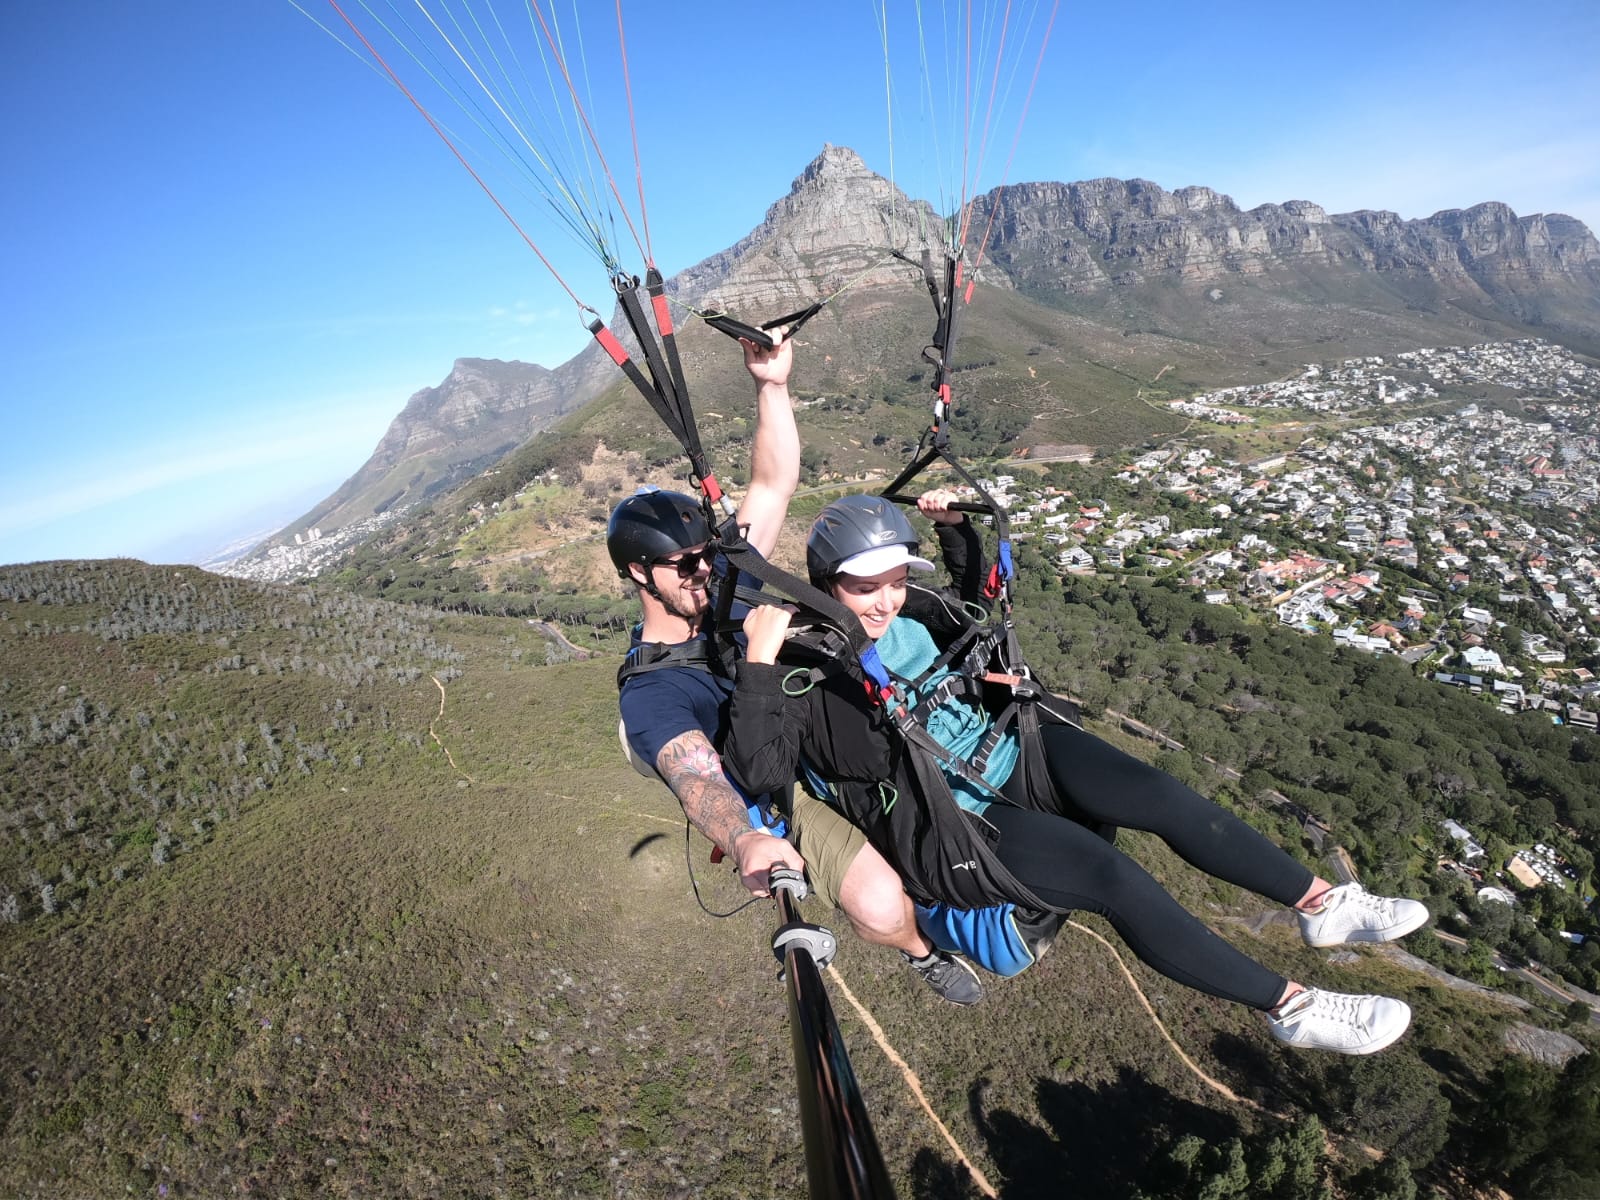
645 842
1260 1069
1094 1140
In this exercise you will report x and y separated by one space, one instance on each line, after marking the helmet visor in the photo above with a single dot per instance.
880 559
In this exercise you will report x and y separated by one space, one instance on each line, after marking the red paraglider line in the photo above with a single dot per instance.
1017 136
583 116
445 138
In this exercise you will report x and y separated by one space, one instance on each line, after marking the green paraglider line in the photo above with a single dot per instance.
443 137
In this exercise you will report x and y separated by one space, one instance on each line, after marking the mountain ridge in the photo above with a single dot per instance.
1199 279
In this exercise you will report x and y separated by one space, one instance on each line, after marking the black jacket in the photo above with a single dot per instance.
896 794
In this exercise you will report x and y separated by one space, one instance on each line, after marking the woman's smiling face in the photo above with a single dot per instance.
876 599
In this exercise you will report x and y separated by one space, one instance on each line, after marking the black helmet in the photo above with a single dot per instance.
651 524
854 526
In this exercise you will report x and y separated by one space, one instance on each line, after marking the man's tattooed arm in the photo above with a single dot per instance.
693 770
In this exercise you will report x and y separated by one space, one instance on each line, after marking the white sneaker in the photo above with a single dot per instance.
1318 1020
1350 913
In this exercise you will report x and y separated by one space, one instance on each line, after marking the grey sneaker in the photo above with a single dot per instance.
948 975
1352 914
1318 1020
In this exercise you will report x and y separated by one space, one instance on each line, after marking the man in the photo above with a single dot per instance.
676 716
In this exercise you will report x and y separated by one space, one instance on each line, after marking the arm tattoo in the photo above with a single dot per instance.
693 771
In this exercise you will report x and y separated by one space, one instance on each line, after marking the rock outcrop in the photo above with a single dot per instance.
837 224
480 411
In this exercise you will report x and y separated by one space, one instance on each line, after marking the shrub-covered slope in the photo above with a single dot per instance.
350 899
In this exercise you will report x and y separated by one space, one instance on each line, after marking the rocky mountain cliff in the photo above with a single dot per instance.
1108 278
836 225
1087 238
480 411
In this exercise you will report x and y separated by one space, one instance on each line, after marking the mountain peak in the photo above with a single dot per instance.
836 164
832 226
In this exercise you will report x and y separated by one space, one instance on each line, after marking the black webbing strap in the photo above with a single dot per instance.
656 656
665 409
739 556
918 736
663 388
944 333
657 288
633 310
952 687
940 351
1024 696
975 649
959 648
761 335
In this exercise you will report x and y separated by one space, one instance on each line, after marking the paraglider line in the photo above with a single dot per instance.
633 129
1017 136
443 137
583 116
988 121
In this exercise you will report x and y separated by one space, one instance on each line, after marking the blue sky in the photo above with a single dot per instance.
233 252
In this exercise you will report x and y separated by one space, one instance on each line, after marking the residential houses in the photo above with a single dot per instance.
1453 491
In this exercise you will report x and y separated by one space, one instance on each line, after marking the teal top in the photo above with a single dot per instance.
908 649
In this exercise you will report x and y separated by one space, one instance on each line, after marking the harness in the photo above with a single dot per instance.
984 660
656 656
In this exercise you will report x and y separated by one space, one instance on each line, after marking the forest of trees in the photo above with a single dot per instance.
184 700
1376 752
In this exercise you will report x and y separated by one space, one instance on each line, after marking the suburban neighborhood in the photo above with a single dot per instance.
1462 541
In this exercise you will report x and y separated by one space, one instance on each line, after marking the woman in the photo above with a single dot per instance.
1030 847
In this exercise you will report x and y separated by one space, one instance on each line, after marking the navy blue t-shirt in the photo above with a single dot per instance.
658 706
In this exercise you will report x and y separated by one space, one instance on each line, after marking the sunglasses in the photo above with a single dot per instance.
687 563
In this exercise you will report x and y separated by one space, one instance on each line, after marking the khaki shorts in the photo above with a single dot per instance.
827 841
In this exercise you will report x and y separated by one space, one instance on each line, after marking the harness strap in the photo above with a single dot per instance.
657 656
646 387
949 688
663 388
957 649
657 288
741 556
918 737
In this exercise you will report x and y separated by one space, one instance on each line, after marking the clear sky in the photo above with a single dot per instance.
232 252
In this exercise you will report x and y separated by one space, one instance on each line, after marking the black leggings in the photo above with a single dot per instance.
1068 866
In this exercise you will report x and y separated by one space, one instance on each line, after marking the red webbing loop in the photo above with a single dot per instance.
608 343
663 315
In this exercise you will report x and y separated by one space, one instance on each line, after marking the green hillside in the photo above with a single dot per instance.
354 899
